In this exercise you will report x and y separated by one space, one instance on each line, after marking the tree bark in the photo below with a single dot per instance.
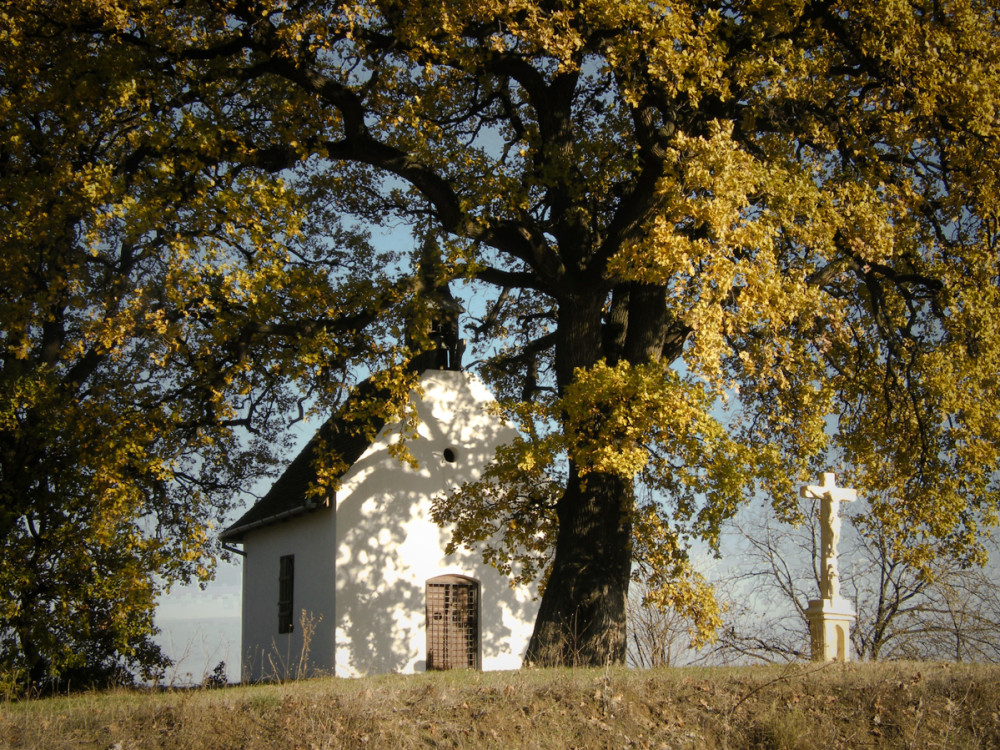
582 617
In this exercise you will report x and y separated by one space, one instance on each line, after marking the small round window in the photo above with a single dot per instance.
449 455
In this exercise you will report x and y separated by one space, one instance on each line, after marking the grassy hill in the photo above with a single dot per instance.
801 706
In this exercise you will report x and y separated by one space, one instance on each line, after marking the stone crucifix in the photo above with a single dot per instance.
830 497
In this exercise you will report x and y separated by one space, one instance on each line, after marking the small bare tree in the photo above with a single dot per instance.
764 595
656 638
958 619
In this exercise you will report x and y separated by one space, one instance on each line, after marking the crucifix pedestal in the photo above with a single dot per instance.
830 617
830 623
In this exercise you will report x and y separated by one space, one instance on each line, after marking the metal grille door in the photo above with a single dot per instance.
452 623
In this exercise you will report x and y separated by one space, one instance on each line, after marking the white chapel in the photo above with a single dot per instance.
358 583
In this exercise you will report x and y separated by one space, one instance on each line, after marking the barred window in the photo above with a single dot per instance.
452 610
286 585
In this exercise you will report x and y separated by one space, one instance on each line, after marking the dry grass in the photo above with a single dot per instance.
799 707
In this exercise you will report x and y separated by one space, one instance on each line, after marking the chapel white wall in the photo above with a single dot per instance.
388 546
268 654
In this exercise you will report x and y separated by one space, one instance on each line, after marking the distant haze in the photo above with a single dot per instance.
201 628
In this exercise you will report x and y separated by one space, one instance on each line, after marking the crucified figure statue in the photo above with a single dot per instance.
830 497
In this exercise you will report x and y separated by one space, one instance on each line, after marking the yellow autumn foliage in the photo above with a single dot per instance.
706 251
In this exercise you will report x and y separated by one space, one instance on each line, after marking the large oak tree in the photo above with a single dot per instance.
711 247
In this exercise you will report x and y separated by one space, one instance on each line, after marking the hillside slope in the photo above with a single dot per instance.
799 706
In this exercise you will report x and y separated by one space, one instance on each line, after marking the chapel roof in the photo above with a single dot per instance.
344 438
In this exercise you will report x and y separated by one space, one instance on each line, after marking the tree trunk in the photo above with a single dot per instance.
38 667
582 617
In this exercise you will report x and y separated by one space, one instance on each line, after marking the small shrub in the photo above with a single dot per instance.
218 678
